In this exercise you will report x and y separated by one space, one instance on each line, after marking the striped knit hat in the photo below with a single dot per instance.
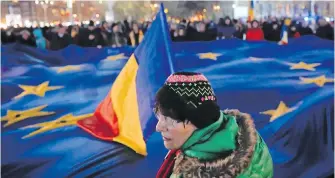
194 88
198 98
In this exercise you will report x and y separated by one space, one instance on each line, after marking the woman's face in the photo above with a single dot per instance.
135 27
174 133
181 32
249 25
254 24
227 21
105 25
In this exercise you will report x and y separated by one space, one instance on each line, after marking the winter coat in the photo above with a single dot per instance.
255 34
136 39
241 153
39 38
325 32
58 42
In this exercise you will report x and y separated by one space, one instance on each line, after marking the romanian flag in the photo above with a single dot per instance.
125 115
251 10
284 32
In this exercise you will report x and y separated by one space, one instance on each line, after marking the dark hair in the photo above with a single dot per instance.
170 104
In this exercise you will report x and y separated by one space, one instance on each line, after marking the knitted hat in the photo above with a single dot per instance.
192 96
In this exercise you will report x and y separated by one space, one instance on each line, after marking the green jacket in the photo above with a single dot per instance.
233 149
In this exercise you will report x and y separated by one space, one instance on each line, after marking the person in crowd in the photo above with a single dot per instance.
136 35
173 31
305 29
117 38
105 33
60 39
211 29
39 39
201 33
255 33
8 36
293 33
181 34
238 31
147 25
225 28
75 34
203 140
267 28
90 37
274 34
324 30
26 38
126 27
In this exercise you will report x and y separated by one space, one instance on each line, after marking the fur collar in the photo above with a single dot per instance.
230 166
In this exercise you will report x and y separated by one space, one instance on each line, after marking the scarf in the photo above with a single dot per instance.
166 169
210 142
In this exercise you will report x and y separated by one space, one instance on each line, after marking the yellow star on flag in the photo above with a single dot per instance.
281 110
319 81
66 120
14 116
38 90
212 56
68 68
303 65
116 57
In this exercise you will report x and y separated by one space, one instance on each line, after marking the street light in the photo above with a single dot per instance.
45 4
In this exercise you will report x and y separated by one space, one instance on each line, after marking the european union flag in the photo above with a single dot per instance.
288 90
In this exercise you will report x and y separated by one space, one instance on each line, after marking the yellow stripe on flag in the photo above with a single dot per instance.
124 99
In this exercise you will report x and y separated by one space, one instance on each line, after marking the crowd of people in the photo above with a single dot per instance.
124 33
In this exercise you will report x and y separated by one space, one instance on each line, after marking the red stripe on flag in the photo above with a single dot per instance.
104 123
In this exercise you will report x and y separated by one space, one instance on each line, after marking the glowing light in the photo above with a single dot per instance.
327 19
234 6
47 24
155 5
36 2
97 15
41 24
27 23
51 2
166 10
204 10
42 3
75 15
306 18
100 1
3 26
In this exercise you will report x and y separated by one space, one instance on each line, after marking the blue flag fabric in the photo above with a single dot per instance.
155 61
288 90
